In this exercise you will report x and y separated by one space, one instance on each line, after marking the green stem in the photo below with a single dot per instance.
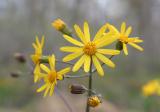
89 87
78 76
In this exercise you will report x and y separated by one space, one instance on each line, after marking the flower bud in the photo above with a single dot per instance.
94 101
20 57
44 59
14 74
119 45
77 89
60 25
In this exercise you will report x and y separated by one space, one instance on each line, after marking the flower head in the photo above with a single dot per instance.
58 24
38 50
51 76
37 73
94 101
151 88
123 37
90 50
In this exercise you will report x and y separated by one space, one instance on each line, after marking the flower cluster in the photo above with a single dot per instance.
92 51
151 88
49 75
91 54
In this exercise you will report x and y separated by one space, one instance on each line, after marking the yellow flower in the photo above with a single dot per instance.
38 50
90 51
37 73
123 36
151 88
51 76
58 24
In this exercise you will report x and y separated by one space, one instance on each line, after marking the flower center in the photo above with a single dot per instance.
52 76
123 39
90 48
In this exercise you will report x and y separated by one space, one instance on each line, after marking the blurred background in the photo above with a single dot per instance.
21 20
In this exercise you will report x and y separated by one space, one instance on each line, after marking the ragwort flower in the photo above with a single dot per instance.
37 73
51 76
123 37
36 57
38 50
90 51
151 88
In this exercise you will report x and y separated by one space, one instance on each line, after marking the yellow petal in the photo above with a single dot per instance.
70 49
72 56
59 77
136 46
123 27
87 63
73 41
52 62
125 49
35 58
112 29
63 72
42 88
37 69
36 73
100 32
37 42
42 75
79 63
80 34
42 41
45 68
36 78
129 30
34 46
105 60
104 41
51 89
86 32
135 39
108 51
46 91
97 65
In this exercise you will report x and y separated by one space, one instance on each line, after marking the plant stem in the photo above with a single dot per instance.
89 87
64 62
78 76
